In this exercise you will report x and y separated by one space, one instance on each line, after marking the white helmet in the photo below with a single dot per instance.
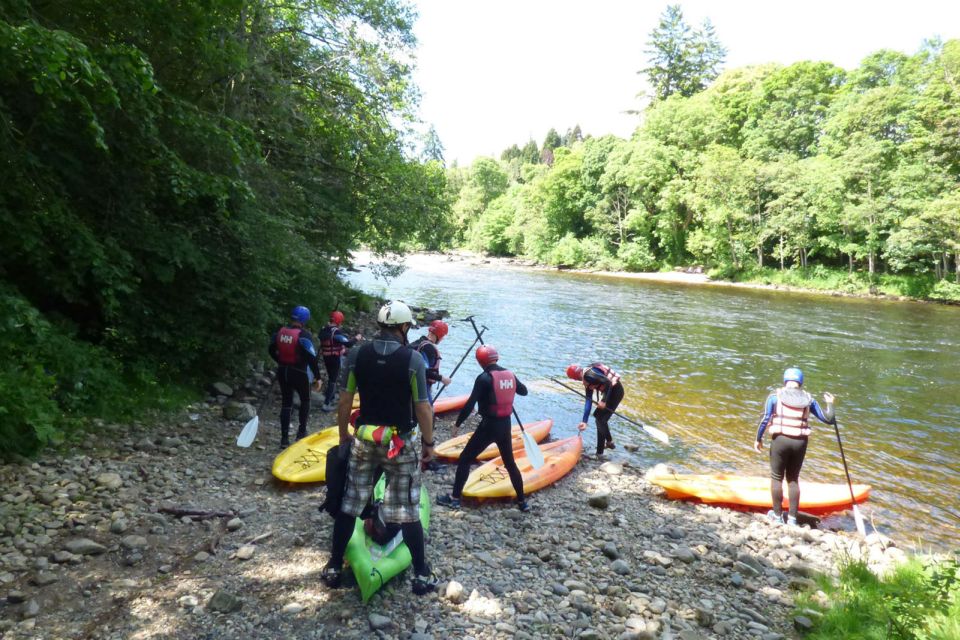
394 314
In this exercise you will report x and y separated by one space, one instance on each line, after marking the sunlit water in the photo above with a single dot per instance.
698 362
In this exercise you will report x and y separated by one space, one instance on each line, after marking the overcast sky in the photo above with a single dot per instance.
497 72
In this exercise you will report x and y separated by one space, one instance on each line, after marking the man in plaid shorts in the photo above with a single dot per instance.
391 380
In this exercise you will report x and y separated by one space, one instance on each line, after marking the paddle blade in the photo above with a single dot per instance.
858 518
656 434
532 449
245 439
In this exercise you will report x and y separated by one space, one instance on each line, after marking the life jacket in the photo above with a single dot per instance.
791 415
421 345
383 382
607 372
288 339
330 348
504 391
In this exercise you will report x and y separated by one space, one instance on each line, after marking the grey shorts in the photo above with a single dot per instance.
401 501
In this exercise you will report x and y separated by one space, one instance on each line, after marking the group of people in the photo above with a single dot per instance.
394 377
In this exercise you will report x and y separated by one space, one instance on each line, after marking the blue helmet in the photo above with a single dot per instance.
793 374
300 314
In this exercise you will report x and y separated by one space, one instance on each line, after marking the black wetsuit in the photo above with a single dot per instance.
333 339
611 394
294 377
431 355
491 429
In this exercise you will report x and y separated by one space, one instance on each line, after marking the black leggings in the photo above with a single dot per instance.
490 430
602 417
293 380
332 364
786 459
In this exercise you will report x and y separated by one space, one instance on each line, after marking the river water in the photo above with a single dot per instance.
698 362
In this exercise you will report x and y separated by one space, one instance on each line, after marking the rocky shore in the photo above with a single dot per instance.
166 529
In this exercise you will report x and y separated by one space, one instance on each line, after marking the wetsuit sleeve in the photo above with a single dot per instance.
340 337
587 405
418 378
479 385
309 352
767 414
824 416
348 381
272 348
521 388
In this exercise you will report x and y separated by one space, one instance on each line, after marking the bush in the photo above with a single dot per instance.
946 291
636 256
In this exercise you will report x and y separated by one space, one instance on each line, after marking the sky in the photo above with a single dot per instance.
497 72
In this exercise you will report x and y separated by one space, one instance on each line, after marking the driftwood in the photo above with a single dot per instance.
262 536
198 514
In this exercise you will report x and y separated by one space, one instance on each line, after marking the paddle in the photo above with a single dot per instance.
452 373
249 432
653 432
861 528
534 455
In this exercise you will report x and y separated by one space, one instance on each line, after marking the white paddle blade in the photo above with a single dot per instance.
858 518
245 439
532 449
656 434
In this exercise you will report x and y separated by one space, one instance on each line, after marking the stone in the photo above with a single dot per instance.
110 480
84 547
612 468
61 557
599 500
234 524
685 554
134 542
378 621
455 592
221 389
44 578
246 552
610 550
201 556
620 567
31 609
803 624
233 410
224 602
119 526
293 608
188 601
16 597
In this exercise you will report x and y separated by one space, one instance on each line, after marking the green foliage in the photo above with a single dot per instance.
918 600
177 175
683 61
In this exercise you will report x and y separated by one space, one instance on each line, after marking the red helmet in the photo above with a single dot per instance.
439 328
487 355
575 372
336 318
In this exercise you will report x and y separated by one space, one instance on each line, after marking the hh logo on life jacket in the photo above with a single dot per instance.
506 384
286 339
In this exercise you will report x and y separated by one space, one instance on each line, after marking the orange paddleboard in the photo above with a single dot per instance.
754 492
491 480
443 405
452 448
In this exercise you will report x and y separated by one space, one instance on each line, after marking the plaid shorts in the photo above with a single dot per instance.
401 501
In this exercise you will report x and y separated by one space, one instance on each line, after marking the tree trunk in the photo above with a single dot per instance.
870 266
936 266
850 256
733 248
803 257
760 255
781 253
956 266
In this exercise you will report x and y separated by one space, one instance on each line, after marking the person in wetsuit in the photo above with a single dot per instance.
493 391
389 376
292 349
786 413
427 347
604 381
334 342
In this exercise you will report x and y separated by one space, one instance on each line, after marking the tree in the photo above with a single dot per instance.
682 60
432 147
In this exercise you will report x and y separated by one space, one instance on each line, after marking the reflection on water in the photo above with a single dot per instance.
699 361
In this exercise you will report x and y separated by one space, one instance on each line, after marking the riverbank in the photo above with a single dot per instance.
168 530
696 276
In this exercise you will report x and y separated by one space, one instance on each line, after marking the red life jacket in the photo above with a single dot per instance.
504 391
791 415
288 338
330 348
608 373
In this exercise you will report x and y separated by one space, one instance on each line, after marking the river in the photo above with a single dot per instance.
699 360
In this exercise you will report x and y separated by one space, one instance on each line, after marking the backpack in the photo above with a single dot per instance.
338 459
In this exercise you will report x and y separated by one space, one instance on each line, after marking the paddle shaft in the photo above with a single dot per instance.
619 415
836 428
480 338
452 373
